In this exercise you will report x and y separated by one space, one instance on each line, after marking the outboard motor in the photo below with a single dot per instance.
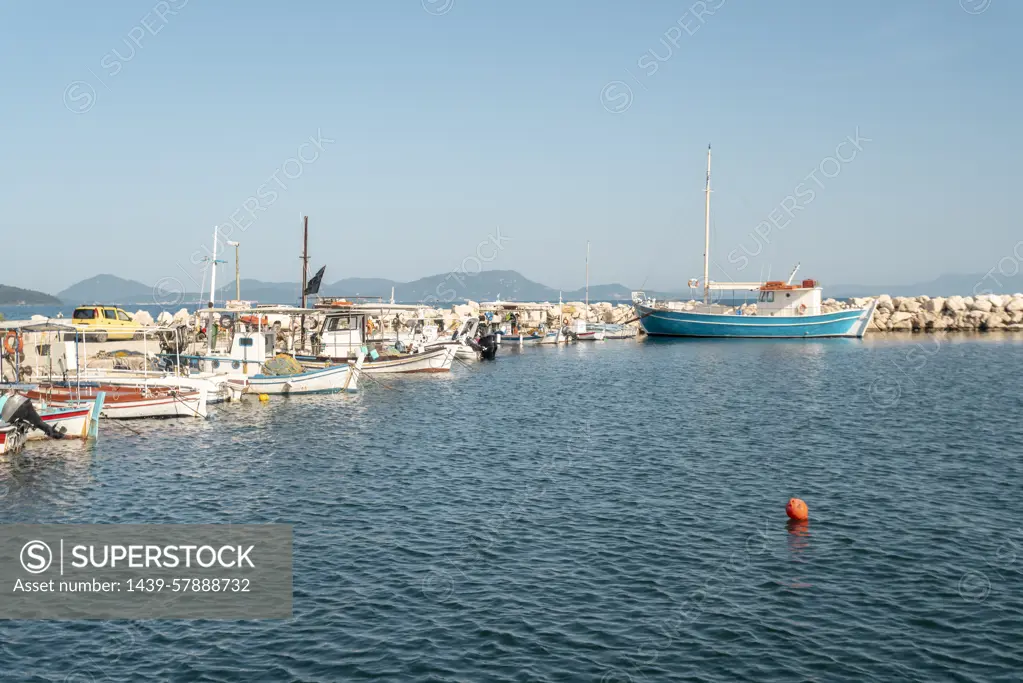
19 411
487 346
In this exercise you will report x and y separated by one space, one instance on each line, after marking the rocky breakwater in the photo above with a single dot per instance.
982 313
532 314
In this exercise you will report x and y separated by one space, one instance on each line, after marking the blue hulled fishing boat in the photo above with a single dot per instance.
783 310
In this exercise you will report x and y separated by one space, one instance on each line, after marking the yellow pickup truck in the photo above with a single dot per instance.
109 322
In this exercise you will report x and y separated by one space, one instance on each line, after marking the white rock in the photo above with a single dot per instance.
900 320
907 305
996 300
1014 304
142 317
975 316
885 302
954 304
983 305
164 318
994 321
935 305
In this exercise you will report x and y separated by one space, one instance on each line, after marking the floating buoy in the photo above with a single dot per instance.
263 398
796 509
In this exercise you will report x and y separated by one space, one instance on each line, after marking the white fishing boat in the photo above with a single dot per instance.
346 333
563 334
333 379
126 402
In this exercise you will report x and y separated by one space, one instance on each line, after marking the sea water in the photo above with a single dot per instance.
597 512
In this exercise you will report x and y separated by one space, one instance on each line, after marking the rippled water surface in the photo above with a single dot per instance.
604 512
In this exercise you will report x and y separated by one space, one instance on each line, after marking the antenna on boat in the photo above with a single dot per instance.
792 274
706 237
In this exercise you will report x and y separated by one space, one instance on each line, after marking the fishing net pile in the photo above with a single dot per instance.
282 364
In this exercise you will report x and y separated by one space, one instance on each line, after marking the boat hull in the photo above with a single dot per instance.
664 323
428 361
128 403
74 422
320 381
521 338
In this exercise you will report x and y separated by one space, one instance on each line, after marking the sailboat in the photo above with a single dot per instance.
784 310
583 332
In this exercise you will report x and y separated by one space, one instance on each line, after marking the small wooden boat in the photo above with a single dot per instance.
590 335
125 402
331 379
78 422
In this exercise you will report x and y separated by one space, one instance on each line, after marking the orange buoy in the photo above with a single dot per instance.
796 509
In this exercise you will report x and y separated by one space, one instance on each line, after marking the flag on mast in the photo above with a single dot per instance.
314 283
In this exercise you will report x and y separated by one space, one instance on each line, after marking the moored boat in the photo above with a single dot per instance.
783 310
124 402
333 379
344 336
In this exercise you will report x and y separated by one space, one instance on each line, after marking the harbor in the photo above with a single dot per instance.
434 342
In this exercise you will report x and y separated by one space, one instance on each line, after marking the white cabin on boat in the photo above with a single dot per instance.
779 298
342 334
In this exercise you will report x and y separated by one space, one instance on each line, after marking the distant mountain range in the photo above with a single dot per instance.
16 295
446 288
449 288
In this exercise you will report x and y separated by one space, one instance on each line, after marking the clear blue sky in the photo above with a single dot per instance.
452 118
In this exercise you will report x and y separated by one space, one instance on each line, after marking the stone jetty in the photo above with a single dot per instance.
981 313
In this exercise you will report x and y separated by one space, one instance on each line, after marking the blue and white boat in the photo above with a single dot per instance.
783 310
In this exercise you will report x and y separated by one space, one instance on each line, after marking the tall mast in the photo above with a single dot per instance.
587 279
213 270
305 255
211 324
706 238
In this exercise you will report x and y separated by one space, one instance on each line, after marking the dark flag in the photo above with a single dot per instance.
314 284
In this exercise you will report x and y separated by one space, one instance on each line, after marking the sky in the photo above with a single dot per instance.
872 142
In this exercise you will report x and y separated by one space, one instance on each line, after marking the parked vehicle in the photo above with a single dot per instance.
110 322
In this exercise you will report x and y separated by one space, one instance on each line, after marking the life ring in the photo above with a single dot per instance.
226 320
801 309
13 342
565 321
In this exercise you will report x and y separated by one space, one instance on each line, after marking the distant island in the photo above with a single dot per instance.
15 296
